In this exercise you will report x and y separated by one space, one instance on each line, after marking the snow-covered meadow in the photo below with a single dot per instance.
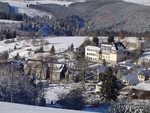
60 43
141 2
19 108
20 6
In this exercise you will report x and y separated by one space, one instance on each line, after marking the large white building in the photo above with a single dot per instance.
111 52
92 53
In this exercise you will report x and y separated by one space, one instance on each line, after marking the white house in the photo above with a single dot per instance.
111 52
92 53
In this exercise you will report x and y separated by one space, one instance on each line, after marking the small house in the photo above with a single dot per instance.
144 75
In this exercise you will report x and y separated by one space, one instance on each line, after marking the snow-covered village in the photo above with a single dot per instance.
61 56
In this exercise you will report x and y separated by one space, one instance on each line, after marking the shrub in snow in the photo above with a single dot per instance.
129 108
72 100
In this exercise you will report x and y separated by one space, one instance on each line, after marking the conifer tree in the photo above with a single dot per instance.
52 51
95 41
109 88
72 47
17 57
110 39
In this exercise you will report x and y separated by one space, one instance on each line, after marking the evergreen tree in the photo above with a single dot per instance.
104 62
17 57
5 56
41 49
86 42
109 88
122 34
95 40
72 47
52 51
110 39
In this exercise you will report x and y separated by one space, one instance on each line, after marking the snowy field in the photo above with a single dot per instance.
54 91
142 2
60 43
9 21
19 6
18 108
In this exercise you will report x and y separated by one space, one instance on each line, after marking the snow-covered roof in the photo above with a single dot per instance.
131 79
119 46
139 70
143 85
101 69
142 2
93 47
146 72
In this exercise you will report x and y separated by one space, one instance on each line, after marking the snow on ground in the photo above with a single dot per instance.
145 57
20 6
142 2
54 91
143 86
9 21
60 44
132 39
20 108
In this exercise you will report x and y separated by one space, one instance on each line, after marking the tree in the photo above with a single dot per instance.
122 34
18 88
17 57
41 49
82 64
34 42
129 108
4 56
72 100
109 88
72 47
95 40
110 39
104 62
86 42
52 51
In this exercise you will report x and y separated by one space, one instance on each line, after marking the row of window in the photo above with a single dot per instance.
91 54
105 57
91 58
92 50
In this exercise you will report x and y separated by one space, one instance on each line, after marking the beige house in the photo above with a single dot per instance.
113 52
144 75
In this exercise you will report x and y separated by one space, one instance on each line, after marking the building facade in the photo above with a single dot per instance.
92 53
111 52
144 75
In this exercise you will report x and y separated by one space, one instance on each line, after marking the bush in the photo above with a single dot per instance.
73 100
129 108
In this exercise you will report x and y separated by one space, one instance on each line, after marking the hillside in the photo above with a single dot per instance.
4 7
104 15
143 2
112 15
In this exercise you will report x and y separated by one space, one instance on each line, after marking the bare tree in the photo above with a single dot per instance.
34 42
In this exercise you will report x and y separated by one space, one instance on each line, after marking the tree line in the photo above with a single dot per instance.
7 34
